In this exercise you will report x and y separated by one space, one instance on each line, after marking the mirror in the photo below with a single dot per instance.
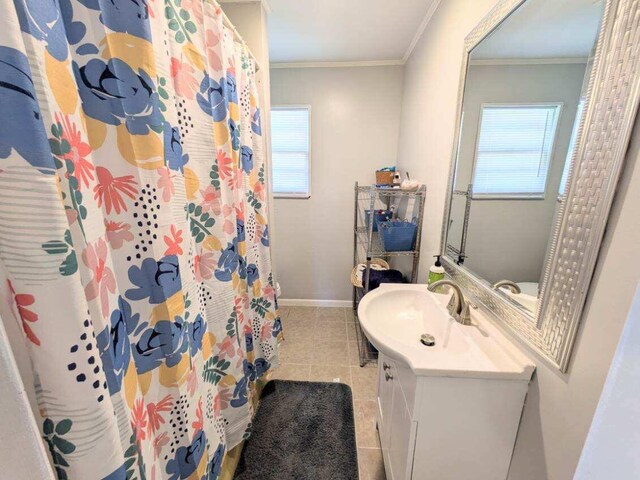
523 95
548 96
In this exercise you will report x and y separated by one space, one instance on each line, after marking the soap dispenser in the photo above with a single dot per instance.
436 272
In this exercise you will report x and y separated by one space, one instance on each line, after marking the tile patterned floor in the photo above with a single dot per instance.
320 345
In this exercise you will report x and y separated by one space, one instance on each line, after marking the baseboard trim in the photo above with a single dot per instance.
309 302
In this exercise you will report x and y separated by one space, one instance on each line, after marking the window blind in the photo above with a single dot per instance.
514 150
572 145
290 150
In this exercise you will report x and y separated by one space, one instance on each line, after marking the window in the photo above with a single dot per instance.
572 145
290 151
514 150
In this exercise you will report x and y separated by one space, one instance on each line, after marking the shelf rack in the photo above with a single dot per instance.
367 244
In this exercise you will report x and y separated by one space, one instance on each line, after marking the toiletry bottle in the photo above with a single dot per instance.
397 179
436 272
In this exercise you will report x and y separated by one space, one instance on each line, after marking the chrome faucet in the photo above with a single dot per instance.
458 307
514 287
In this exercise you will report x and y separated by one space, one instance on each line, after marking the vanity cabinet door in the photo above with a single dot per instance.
402 435
385 400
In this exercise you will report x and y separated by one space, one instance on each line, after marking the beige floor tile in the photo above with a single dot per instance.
284 312
291 372
370 464
365 417
325 330
351 331
297 352
330 353
298 329
302 313
327 373
331 314
354 357
364 383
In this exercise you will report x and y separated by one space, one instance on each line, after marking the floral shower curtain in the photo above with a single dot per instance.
134 245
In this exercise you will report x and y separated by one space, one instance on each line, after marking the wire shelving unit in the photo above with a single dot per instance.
368 244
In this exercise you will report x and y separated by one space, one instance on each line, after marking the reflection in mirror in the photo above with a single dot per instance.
521 113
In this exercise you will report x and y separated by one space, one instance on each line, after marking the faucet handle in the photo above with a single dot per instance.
465 314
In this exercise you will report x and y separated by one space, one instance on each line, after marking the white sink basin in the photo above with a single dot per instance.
395 315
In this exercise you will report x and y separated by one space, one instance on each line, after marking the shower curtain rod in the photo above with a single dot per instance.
238 37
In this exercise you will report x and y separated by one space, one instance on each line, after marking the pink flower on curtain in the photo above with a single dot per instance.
150 8
24 300
265 331
139 420
173 242
165 183
211 200
155 411
269 292
225 165
192 381
211 41
221 400
71 214
227 347
259 232
259 191
103 280
194 7
198 423
159 443
109 190
204 266
117 233
183 75
228 226
236 180
78 151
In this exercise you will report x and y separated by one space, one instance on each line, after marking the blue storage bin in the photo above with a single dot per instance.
378 216
398 236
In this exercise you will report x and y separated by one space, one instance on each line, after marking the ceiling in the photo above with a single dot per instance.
345 30
545 29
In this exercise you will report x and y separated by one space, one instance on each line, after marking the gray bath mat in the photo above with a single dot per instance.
302 430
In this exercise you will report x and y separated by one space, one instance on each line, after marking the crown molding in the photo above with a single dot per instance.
265 3
529 61
365 63
421 28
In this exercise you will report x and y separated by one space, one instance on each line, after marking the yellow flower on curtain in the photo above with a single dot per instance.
62 84
136 52
143 151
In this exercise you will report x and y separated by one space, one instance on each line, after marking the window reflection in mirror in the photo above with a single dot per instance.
523 101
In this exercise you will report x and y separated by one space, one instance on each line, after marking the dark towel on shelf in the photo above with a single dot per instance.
376 277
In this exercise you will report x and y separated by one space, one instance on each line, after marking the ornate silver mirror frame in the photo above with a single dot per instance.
609 114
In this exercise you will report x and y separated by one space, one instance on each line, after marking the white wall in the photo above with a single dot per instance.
559 408
493 243
355 113
611 450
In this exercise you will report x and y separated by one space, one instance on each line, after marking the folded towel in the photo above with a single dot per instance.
376 277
